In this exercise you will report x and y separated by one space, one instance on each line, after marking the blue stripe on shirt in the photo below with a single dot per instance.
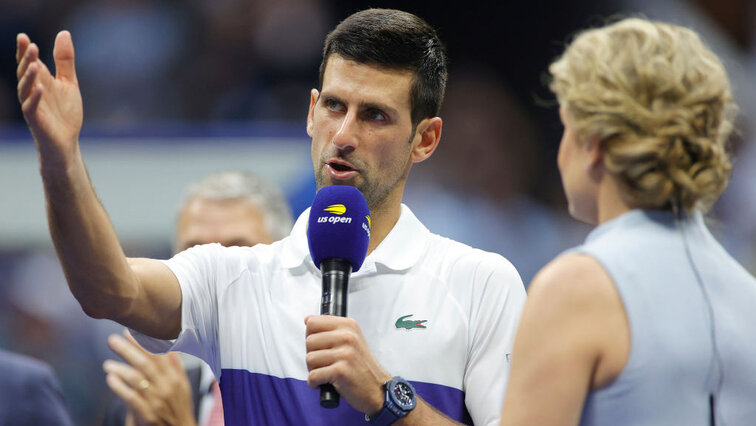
259 399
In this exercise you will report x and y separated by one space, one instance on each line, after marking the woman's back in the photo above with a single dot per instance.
671 274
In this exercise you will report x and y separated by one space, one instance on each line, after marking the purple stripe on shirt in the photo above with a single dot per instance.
259 399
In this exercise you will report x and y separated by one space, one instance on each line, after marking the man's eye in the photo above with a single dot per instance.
333 105
375 115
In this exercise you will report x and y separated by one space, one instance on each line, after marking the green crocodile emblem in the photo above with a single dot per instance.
402 322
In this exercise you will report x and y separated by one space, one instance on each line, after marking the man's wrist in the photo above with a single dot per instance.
61 175
380 393
379 401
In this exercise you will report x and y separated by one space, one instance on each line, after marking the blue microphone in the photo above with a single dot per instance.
338 235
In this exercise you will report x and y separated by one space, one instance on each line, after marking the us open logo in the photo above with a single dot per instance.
338 209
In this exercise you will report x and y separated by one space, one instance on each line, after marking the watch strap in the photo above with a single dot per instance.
386 416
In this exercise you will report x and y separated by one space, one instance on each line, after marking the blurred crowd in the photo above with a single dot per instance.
492 183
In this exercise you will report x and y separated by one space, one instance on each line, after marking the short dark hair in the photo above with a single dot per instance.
394 39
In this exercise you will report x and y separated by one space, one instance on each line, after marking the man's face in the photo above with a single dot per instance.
361 129
228 222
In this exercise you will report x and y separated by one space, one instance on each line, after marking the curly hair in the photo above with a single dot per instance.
660 103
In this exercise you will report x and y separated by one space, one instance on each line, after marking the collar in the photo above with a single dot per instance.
632 218
206 377
400 250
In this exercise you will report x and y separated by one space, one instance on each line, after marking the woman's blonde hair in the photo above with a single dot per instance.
659 102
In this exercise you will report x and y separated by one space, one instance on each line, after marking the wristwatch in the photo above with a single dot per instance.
400 400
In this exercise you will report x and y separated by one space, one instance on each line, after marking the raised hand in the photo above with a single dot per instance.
51 104
155 387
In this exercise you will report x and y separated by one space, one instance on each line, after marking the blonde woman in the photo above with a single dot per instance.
650 321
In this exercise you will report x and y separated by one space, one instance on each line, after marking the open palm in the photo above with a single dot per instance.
51 104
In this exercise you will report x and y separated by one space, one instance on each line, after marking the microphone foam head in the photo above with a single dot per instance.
339 226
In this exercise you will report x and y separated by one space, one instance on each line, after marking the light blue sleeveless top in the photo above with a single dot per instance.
672 368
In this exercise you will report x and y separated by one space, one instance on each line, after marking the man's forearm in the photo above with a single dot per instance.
96 268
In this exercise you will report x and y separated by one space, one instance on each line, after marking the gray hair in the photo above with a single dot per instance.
245 186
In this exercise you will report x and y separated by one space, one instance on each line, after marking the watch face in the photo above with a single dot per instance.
403 395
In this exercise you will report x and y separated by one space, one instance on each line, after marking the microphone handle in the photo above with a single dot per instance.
335 274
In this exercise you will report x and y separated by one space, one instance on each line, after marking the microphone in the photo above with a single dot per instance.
338 236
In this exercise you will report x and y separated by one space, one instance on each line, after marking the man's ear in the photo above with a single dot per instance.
426 139
313 100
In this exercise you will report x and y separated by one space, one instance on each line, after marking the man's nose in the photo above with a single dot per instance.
347 136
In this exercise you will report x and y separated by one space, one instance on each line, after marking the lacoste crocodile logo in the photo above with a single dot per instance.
402 322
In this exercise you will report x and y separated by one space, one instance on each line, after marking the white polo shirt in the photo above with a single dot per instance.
243 311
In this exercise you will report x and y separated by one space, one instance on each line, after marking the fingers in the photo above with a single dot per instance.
22 42
152 399
323 358
321 376
328 367
26 82
137 357
133 398
31 103
29 90
170 359
332 339
331 345
63 53
31 74
132 340
30 56
130 376
321 323
319 341
330 352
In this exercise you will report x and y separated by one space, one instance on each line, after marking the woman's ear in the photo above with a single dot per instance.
594 162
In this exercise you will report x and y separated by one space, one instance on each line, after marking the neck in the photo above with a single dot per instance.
384 217
610 202
385 213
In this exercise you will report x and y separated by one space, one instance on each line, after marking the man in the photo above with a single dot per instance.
231 208
422 307
29 393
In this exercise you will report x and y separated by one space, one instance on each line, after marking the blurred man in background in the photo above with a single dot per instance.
29 393
230 208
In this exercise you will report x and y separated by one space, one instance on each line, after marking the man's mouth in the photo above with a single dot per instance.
340 171
340 167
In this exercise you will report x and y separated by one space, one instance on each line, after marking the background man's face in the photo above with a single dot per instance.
228 222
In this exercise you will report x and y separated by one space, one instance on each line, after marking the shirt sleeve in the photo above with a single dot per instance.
201 272
498 300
